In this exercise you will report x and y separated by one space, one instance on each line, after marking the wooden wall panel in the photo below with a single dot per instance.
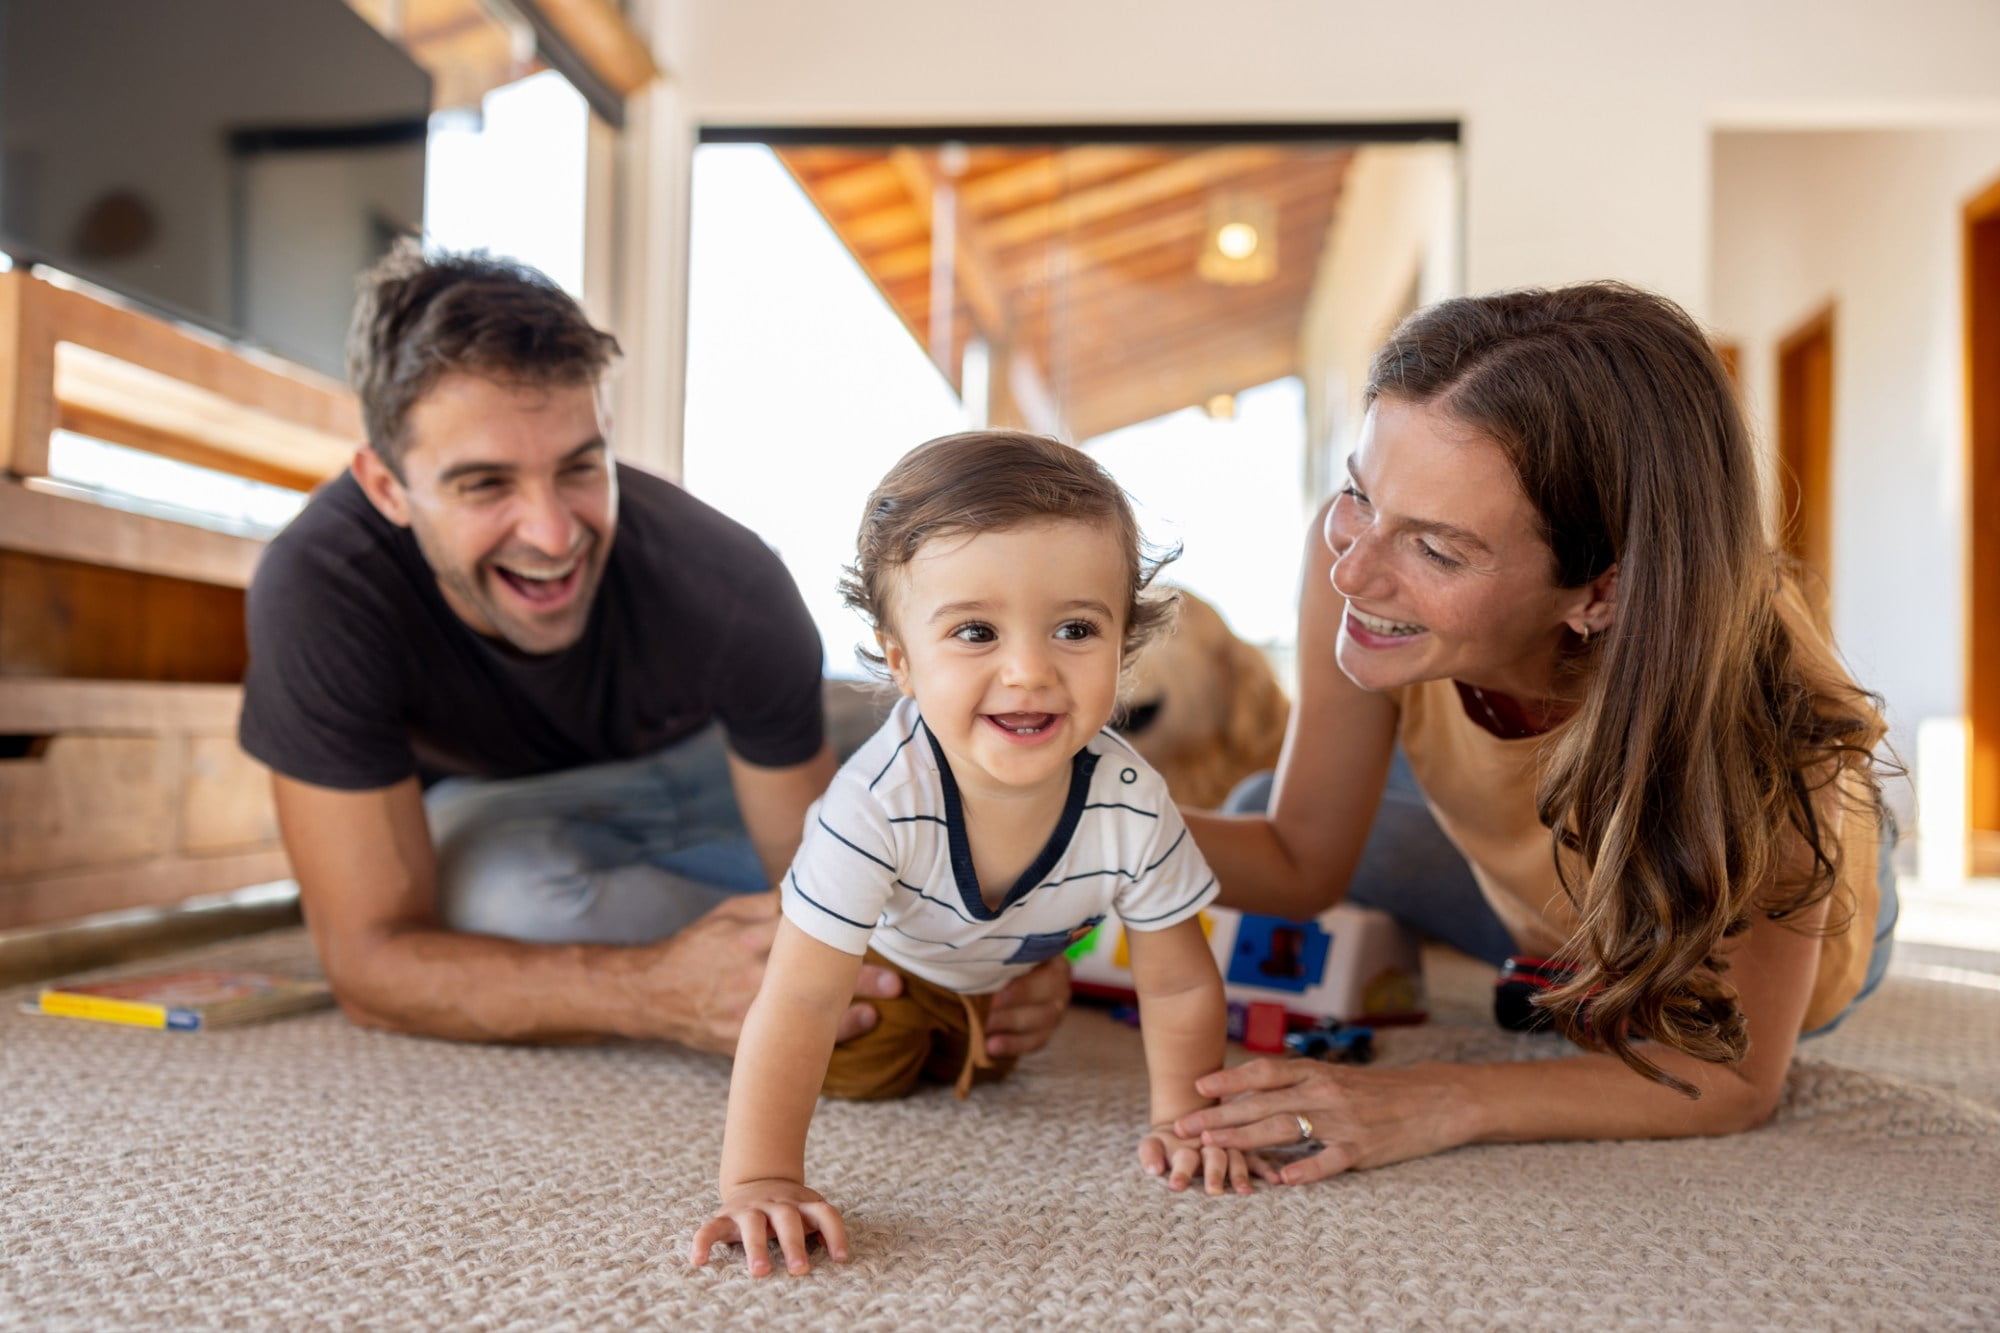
65 618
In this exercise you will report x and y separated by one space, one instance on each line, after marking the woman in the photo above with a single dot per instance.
1547 582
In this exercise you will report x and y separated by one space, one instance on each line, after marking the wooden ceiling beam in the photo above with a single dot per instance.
1044 174
902 221
1183 175
887 221
599 32
844 191
972 264
1094 245
1292 179
1184 223
1157 283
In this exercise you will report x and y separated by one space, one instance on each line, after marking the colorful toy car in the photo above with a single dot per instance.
1335 1042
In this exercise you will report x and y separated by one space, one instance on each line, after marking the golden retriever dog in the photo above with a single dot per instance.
1204 707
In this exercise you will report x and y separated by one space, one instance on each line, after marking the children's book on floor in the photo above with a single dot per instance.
185 1001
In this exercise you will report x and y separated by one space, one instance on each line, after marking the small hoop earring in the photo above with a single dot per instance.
1585 632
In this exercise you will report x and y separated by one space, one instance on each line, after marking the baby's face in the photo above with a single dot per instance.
1009 642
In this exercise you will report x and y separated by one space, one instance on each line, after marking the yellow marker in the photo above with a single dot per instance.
70 1005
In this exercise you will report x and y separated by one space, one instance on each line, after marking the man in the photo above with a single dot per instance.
611 691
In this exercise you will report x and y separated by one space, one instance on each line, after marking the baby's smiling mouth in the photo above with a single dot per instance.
1023 724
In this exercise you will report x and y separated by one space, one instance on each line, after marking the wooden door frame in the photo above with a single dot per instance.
1819 324
1980 273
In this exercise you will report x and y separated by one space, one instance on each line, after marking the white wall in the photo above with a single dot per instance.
1586 125
1586 152
1393 245
1868 222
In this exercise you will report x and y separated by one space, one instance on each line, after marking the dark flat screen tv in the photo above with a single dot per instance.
231 162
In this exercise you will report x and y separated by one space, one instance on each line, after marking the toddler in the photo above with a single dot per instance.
989 824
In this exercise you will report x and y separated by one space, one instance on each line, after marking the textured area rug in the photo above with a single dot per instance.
307 1174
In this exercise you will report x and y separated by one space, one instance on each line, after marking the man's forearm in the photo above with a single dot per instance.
439 983
367 879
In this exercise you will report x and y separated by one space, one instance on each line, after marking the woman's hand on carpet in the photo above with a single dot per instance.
1362 1117
1180 1160
759 1211
1028 1009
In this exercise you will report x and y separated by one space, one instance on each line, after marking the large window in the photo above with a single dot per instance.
1182 308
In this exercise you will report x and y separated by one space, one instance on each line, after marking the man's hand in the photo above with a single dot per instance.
710 972
1027 1010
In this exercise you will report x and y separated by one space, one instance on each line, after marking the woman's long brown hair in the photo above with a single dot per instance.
1704 774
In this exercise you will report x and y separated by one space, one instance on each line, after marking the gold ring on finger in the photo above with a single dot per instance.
1305 1127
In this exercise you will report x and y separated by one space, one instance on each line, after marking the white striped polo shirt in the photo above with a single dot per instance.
885 862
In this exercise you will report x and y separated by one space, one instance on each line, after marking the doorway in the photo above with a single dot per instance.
1982 396
1805 444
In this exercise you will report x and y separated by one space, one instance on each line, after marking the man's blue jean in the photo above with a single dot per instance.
1411 870
619 853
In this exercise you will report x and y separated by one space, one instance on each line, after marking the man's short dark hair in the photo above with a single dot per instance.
422 316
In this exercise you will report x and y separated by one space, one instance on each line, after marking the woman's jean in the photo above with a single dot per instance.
1411 870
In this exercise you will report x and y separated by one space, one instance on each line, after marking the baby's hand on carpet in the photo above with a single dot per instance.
758 1211
1163 1152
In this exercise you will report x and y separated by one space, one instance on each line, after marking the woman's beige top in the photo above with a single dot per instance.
1481 790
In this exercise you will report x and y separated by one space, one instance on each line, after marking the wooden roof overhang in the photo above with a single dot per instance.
470 48
1076 264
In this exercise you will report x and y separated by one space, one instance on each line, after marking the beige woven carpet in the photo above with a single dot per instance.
305 1174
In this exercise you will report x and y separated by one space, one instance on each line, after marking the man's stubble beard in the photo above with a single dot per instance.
470 589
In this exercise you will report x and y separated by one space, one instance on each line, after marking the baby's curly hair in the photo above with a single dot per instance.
989 481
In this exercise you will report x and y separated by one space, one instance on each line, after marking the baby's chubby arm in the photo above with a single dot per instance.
781 1061
1183 1020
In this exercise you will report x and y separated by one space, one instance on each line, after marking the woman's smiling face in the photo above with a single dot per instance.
1440 559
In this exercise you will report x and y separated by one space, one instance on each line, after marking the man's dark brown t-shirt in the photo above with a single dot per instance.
362 675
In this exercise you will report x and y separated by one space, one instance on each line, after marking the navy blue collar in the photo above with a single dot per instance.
1080 768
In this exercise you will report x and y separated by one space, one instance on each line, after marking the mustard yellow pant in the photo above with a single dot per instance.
926 1032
